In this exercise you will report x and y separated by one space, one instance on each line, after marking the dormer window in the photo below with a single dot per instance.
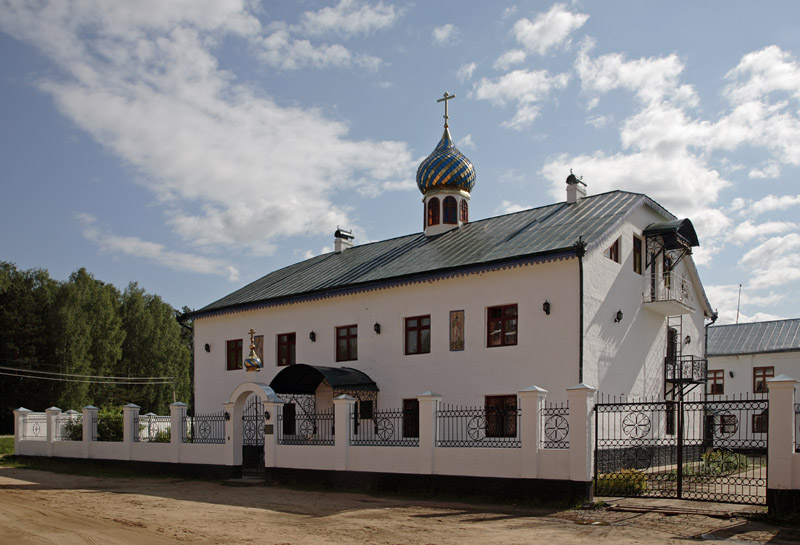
433 211
464 211
612 252
450 210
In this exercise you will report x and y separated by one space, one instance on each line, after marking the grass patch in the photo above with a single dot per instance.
6 445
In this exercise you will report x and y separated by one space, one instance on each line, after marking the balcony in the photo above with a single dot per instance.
669 294
686 370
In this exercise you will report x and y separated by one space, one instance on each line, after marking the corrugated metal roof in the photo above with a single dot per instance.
754 338
538 231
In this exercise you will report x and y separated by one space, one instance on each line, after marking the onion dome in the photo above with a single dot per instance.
446 168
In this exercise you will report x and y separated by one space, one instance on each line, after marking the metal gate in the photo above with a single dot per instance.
253 437
703 450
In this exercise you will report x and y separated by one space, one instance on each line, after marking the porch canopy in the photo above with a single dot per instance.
300 379
675 234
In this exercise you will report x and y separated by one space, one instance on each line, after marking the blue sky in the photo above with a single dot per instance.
195 145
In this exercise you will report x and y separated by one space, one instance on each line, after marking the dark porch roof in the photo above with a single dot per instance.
301 378
672 231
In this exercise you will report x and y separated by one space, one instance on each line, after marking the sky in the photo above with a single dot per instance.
193 146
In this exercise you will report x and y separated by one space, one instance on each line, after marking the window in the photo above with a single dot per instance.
418 335
433 211
464 211
760 422
289 419
365 409
347 343
450 210
501 416
637 255
410 418
667 269
613 252
234 355
670 416
716 382
727 424
502 326
760 376
286 349
258 341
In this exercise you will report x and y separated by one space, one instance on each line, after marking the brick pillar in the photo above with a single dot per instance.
177 412
130 431
581 432
52 426
89 429
233 435
342 408
531 402
20 417
428 406
781 495
271 408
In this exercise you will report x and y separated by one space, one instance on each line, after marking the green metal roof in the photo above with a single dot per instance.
542 231
754 338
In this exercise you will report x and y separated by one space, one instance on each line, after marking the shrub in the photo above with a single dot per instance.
73 430
625 482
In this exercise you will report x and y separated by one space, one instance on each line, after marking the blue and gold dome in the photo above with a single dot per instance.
446 168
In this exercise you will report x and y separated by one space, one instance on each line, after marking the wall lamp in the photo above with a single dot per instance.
313 337
546 307
618 317
227 416
377 328
207 347
687 340
730 373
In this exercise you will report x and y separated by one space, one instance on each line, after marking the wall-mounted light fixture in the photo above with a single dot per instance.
618 317
313 337
377 328
227 416
207 347
687 339
546 307
266 415
730 374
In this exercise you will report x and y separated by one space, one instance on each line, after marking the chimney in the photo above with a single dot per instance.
342 240
576 189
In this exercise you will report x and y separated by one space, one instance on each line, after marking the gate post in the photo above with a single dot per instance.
271 407
342 409
233 434
89 429
428 407
177 414
130 431
52 422
531 400
782 495
581 433
20 425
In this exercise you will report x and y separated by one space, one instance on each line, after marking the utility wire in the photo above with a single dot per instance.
84 381
132 379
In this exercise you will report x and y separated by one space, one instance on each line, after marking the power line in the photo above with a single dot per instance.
85 381
52 373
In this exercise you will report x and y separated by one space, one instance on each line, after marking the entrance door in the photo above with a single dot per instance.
704 450
253 437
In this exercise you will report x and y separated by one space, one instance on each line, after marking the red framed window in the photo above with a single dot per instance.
502 326
433 211
760 422
418 335
286 349
612 252
464 211
347 343
716 382
760 376
450 210
501 416
233 355
637 255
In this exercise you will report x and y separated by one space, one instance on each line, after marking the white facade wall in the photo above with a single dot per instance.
741 383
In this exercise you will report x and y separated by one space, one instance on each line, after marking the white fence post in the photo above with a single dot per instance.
581 432
177 412
233 435
271 408
52 426
531 400
89 429
781 432
428 406
130 430
342 407
20 417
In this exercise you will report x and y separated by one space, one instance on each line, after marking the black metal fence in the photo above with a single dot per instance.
390 428
315 428
69 427
151 428
555 425
478 427
204 428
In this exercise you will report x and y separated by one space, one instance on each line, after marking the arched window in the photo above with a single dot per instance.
464 211
433 211
449 210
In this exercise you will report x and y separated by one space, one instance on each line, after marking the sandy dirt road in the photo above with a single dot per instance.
40 507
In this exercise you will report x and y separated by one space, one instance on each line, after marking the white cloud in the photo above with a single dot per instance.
526 88
770 170
219 155
153 252
775 262
510 58
350 18
725 298
508 207
548 30
465 71
773 202
466 142
445 34
746 231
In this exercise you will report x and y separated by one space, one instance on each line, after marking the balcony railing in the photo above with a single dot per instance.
671 292
686 369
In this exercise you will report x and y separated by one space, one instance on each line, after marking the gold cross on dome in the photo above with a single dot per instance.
447 96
